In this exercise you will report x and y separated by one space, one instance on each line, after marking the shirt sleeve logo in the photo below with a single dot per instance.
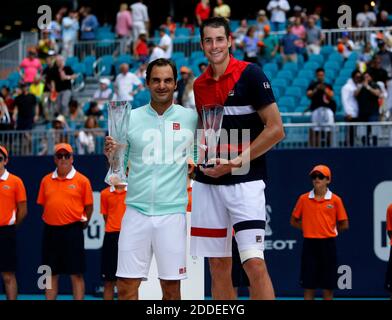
266 85
176 126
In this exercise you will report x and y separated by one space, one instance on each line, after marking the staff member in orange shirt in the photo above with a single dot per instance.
67 198
13 209
112 208
318 214
388 279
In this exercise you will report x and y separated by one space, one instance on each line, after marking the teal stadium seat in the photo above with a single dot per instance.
71 61
326 51
285 74
290 66
318 58
281 82
271 66
295 92
332 65
336 56
306 74
301 83
141 98
287 102
311 65
89 65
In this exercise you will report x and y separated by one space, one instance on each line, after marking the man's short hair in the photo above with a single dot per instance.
320 70
215 22
354 73
161 63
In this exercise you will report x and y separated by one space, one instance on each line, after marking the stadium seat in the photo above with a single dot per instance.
278 91
272 67
13 79
287 102
141 98
295 92
332 65
123 58
353 56
327 50
269 74
285 74
238 54
318 58
300 108
106 64
336 56
196 54
88 65
340 81
301 83
4 83
290 66
79 68
311 65
346 72
283 109
281 82
350 64
305 100
177 55
182 32
306 74
71 61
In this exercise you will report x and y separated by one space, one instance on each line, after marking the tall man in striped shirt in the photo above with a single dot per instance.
232 192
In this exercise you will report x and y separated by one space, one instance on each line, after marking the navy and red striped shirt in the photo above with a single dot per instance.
243 90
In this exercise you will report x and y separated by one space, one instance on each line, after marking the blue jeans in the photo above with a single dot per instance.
278 26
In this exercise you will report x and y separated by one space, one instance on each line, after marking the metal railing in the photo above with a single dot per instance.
9 58
337 135
298 136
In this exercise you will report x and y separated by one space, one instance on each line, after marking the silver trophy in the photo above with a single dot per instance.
212 116
119 115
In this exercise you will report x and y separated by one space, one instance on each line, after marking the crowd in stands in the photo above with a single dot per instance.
287 41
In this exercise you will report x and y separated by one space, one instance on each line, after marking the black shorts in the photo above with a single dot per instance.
388 276
109 256
238 274
319 264
63 248
8 249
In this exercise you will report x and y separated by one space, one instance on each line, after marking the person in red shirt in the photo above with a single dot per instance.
320 215
112 208
67 198
202 11
141 48
388 278
13 209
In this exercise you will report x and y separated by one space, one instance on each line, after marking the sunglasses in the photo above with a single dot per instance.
318 175
66 156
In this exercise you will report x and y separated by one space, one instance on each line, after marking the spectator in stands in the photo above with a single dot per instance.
165 42
141 72
202 11
141 48
188 96
86 138
240 33
345 45
322 21
26 109
261 22
314 37
222 10
9 101
250 45
323 108
45 44
70 26
60 127
89 25
270 46
202 67
350 103
368 94
186 75
185 24
37 88
386 64
94 110
61 83
155 51
289 45
383 20
5 118
299 29
377 71
298 13
127 84
48 97
75 113
278 9
55 29
103 93
367 54
30 66
366 18
170 26
140 19
124 23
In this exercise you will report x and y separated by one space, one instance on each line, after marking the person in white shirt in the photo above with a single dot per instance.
103 93
366 18
140 19
165 43
350 103
125 84
70 26
278 9
155 52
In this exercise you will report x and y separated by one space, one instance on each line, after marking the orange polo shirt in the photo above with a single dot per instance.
64 200
113 206
12 191
319 217
389 220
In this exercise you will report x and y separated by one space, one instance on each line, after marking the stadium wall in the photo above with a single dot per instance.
362 177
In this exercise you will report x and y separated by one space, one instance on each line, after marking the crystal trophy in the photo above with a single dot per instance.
212 116
119 115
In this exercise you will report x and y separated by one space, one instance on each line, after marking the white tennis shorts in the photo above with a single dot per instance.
217 209
141 236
